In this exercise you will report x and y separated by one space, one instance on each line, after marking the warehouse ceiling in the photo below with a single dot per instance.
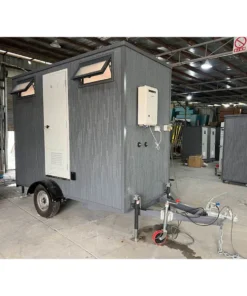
225 82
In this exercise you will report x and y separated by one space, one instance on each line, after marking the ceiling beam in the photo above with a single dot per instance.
211 90
26 52
45 43
171 47
238 56
98 41
192 42
78 44
27 47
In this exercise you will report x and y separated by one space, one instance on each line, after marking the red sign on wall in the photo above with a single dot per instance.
240 44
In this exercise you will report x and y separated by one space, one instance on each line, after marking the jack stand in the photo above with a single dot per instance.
22 192
165 221
160 236
137 207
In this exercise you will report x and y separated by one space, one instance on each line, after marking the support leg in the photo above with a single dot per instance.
136 218
23 190
165 220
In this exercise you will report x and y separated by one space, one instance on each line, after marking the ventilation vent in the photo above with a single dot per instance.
56 158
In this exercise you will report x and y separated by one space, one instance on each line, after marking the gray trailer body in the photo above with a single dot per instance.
212 143
234 163
195 141
106 165
199 140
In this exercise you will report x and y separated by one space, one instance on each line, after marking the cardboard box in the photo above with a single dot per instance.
195 161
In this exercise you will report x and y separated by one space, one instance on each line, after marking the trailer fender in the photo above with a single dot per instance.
51 186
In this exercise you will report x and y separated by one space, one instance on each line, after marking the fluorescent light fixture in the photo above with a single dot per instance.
160 58
242 104
228 68
162 48
18 55
228 78
210 105
228 86
2 51
192 50
42 62
29 62
192 64
206 65
226 105
189 97
168 62
55 44
216 105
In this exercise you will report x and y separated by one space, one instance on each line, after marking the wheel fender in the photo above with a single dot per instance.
51 186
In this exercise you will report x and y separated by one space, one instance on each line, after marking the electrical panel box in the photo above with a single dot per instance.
147 105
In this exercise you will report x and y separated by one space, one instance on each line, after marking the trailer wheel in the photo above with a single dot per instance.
156 238
45 206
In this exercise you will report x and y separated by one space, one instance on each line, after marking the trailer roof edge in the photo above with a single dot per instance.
91 53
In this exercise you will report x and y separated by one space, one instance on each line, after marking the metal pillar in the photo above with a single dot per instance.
3 120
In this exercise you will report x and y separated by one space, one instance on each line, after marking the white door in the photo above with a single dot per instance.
221 145
212 142
204 142
56 124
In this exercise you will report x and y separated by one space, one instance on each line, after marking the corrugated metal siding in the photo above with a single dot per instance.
234 151
147 169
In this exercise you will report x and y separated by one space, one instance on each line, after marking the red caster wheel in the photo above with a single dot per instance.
156 238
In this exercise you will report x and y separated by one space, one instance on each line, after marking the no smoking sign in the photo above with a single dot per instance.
240 44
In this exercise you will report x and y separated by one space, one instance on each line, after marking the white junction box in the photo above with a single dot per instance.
147 105
167 127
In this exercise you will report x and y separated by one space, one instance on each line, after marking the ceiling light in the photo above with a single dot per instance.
228 68
228 78
192 64
162 48
210 105
55 44
242 104
160 58
206 65
192 50
226 105
29 62
189 97
228 86
216 105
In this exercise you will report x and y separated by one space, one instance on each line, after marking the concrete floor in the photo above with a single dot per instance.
77 232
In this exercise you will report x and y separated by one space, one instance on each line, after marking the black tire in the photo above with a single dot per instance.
45 206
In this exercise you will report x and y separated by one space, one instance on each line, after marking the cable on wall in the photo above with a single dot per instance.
157 144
